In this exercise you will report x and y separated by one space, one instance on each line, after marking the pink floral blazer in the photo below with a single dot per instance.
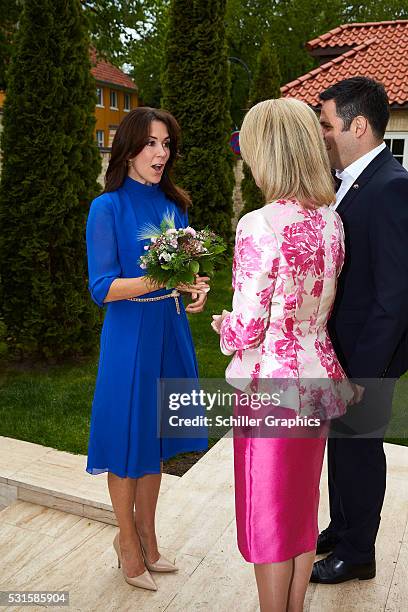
286 263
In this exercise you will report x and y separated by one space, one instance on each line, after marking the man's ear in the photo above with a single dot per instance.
359 126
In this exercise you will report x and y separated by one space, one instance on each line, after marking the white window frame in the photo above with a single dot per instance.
129 97
99 104
100 141
113 91
400 136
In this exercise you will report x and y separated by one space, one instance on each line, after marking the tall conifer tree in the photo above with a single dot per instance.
49 175
266 85
196 91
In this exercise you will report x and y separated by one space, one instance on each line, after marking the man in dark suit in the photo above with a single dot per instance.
369 323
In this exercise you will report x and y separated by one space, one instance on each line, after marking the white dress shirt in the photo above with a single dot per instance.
350 174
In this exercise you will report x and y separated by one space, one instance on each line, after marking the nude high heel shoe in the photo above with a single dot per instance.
143 581
161 565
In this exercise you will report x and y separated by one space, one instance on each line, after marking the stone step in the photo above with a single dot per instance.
44 548
55 479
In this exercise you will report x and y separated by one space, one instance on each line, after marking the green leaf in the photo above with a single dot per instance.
208 268
194 266
186 277
172 282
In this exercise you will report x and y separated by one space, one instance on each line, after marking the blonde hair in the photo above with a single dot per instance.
281 142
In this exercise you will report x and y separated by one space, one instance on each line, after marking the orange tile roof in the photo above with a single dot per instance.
108 73
377 50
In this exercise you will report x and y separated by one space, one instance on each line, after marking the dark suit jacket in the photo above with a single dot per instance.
369 321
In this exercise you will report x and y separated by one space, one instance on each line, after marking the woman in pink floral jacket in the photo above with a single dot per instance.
287 258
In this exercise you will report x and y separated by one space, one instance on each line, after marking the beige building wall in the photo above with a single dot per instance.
398 121
108 118
105 156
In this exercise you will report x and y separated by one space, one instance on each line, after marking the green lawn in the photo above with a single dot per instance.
51 406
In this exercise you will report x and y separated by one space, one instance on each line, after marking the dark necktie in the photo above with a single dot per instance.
337 183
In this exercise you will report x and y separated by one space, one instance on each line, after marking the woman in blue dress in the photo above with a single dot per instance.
143 340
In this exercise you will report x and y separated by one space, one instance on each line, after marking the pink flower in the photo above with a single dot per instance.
303 246
317 288
290 302
234 273
253 331
287 350
239 335
337 252
248 256
255 376
266 296
328 359
190 230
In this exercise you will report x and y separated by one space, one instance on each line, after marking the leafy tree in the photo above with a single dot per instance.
247 21
291 23
147 52
266 85
267 78
133 31
117 25
378 10
10 11
296 22
196 91
49 175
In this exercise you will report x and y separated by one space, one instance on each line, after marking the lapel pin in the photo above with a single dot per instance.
356 186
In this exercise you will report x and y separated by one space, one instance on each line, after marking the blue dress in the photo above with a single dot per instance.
141 343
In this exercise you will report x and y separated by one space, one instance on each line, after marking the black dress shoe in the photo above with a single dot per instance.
326 542
333 570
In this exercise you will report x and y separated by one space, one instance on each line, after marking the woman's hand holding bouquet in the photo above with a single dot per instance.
180 257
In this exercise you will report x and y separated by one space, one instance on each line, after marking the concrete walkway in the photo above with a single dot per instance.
56 532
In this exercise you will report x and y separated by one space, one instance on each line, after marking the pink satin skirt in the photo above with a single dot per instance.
277 496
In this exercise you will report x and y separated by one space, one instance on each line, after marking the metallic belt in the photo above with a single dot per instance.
174 294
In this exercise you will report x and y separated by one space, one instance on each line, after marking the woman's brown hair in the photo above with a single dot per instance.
130 138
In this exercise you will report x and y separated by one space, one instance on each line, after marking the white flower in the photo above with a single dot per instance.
153 240
143 266
190 230
146 248
171 231
165 257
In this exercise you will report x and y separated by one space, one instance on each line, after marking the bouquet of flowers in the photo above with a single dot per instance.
175 256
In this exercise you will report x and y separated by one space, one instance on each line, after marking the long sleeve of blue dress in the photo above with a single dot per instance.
102 249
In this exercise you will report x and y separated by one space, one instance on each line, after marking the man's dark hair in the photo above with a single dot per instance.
360 96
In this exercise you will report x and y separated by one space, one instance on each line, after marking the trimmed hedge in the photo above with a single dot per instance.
49 176
196 90
266 85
